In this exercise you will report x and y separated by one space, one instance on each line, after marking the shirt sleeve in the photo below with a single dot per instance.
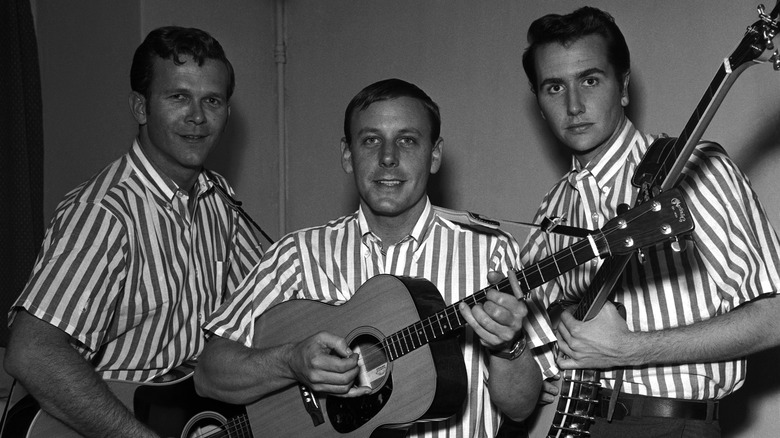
79 274
733 235
274 280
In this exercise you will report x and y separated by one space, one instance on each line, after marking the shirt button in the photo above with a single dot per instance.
168 207
595 216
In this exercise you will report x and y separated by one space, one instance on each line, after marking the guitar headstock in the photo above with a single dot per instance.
758 44
661 218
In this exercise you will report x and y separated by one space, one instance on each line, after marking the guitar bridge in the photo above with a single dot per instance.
311 405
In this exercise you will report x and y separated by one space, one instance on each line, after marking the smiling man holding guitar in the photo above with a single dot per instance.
391 145
136 257
688 313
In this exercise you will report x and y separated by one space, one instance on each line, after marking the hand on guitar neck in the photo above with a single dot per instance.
499 321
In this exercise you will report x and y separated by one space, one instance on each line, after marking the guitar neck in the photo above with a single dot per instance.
449 319
676 156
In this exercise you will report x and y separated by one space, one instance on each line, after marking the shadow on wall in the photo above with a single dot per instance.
226 159
738 411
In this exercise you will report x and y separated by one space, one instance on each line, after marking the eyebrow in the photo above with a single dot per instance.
372 130
580 75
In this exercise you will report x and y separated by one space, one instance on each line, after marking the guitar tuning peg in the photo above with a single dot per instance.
679 245
641 256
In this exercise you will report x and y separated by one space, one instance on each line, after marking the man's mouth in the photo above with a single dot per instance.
192 137
389 182
578 127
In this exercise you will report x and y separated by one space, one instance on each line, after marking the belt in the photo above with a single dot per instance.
643 406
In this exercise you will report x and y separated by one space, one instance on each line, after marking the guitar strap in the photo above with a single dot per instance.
481 222
236 205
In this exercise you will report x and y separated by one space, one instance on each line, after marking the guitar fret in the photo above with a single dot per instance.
393 347
438 320
429 329
539 268
525 279
406 345
555 260
417 333
458 322
425 335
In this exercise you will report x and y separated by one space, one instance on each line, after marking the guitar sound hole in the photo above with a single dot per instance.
372 361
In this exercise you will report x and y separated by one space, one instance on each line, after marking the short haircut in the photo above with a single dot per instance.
566 29
391 89
173 42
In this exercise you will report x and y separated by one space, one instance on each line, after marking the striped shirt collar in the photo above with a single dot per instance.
164 185
419 230
610 161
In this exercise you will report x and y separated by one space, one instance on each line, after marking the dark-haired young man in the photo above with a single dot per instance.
690 317
137 257
391 145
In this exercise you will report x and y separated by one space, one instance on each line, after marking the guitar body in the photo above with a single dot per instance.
171 409
429 383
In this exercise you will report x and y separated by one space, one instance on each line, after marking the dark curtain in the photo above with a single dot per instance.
21 153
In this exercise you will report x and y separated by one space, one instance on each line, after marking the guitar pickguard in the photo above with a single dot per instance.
349 414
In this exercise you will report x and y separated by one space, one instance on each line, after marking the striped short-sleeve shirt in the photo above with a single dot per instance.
130 272
733 257
330 262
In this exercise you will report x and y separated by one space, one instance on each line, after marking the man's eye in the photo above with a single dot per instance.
554 89
214 101
370 141
407 141
591 82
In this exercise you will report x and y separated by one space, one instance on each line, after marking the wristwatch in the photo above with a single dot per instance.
513 353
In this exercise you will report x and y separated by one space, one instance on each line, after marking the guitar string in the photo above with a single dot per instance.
430 322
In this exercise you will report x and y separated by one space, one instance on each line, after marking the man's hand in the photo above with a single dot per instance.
499 320
549 390
602 342
324 363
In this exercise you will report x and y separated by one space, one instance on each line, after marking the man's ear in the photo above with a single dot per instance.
138 107
624 92
436 154
346 156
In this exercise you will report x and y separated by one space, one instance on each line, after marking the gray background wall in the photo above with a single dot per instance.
499 159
